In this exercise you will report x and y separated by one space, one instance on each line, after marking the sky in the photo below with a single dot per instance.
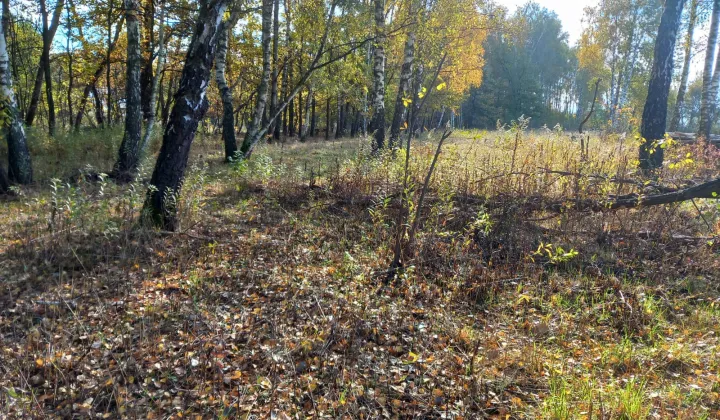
570 12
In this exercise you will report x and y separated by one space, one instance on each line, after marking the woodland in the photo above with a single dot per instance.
359 209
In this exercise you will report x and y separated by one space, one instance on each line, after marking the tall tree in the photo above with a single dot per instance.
403 93
228 119
156 81
147 47
91 87
377 125
190 106
253 133
48 34
71 72
707 99
654 115
129 154
687 49
275 123
19 164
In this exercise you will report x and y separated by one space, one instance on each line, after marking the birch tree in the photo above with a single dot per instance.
129 154
706 99
43 71
189 107
228 118
377 125
654 115
19 164
253 133
687 49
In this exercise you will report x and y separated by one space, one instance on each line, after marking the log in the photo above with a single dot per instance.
691 137
710 189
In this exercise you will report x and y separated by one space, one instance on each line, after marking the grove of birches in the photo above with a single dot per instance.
359 209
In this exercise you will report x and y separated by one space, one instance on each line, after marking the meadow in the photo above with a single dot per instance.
272 300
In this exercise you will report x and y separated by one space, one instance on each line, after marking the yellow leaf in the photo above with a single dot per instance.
441 86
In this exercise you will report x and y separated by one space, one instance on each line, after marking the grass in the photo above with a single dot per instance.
270 302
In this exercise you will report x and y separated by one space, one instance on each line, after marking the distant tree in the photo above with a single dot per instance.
228 118
707 96
48 34
654 116
129 154
253 133
377 124
403 91
687 50
529 70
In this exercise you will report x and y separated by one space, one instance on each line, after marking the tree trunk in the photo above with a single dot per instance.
152 117
190 106
654 115
707 99
48 35
287 73
340 128
680 102
92 86
129 154
299 114
306 120
275 123
71 73
108 81
403 88
377 124
253 133
148 47
4 182
312 118
19 163
327 118
228 120
99 113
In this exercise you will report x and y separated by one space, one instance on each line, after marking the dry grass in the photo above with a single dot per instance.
270 303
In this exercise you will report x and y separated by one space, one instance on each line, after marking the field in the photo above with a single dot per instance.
271 301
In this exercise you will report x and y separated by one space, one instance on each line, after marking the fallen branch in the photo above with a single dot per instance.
710 189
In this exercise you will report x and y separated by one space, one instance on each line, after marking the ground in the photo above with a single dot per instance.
271 301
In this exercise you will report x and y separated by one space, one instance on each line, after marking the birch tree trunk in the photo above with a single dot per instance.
190 106
706 98
71 72
306 115
228 119
275 123
129 155
253 133
680 102
19 163
312 117
403 88
48 36
152 116
147 46
654 115
377 125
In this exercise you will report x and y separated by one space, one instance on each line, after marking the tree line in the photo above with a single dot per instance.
270 69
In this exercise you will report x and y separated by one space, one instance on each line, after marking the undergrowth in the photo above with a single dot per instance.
270 301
